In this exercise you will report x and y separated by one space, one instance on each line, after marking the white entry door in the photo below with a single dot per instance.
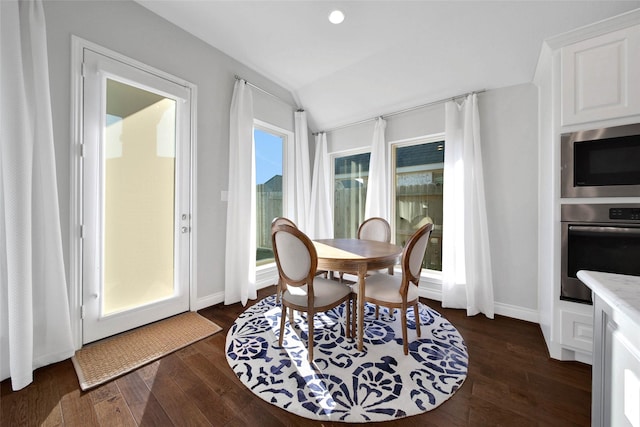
135 197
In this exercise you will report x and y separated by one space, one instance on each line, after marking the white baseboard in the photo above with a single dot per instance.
209 300
513 311
263 281
267 278
516 312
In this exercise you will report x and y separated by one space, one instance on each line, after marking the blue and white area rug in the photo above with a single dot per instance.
379 383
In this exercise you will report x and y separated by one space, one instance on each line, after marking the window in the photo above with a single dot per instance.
350 191
418 169
270 146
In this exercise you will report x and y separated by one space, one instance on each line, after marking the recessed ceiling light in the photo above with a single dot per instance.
336 17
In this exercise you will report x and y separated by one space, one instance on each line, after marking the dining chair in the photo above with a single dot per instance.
401 291
286 221
302 289
374 228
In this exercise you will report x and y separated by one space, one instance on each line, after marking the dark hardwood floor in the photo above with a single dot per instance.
511 382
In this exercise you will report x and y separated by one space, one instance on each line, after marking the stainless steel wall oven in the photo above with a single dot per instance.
601 162
599 237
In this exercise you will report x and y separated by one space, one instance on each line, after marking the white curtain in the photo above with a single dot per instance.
35 323
240 256
302 196
321 215
466 260
378 195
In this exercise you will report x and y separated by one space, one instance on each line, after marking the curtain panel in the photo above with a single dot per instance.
34 306
466 260
378 200
240 254
321 214
302 196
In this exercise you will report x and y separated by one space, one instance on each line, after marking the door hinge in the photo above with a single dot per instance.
83 70
82 231
82 312
82 150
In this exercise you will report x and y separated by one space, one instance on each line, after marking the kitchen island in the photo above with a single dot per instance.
616 348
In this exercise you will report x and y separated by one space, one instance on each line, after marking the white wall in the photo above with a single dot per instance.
508 115
509 133
131 30
509 120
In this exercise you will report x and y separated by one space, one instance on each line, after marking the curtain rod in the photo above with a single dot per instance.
406 110
237 77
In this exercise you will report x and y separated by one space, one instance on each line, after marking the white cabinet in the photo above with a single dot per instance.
577 330
616 349
616 369
587 78
601 77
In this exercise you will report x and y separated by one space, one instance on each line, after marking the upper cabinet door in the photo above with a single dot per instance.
600 77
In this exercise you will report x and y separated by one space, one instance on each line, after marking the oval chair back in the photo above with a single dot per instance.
276 222
375 228
413 253
378 229
296 256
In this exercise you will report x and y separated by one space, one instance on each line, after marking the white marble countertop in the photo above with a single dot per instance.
619 291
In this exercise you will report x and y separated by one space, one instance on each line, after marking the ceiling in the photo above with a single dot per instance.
387 55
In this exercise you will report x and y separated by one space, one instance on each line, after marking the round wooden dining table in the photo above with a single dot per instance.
356 255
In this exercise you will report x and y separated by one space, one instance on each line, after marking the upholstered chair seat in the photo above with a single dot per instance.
381 286
325 291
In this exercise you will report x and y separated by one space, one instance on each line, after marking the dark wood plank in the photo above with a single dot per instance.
144 406
178 406
511 381
114 411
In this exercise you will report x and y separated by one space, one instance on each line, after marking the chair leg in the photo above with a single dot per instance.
278 290
282 320
310 318
417 316
404 330
347 319
354 311
377 311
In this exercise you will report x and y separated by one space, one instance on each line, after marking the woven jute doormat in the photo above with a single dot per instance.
104 360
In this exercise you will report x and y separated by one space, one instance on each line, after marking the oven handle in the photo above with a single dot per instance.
585 229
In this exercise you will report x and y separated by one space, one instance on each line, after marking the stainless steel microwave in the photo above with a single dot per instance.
601 162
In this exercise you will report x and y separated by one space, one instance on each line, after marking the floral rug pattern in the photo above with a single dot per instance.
379 383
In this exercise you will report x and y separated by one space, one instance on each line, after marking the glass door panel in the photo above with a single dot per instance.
139 197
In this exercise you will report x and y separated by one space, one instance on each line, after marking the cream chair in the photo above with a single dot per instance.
401 292
374 228
286 221
302 290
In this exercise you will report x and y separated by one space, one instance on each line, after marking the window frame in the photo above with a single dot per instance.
332 158
265 273
430 276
